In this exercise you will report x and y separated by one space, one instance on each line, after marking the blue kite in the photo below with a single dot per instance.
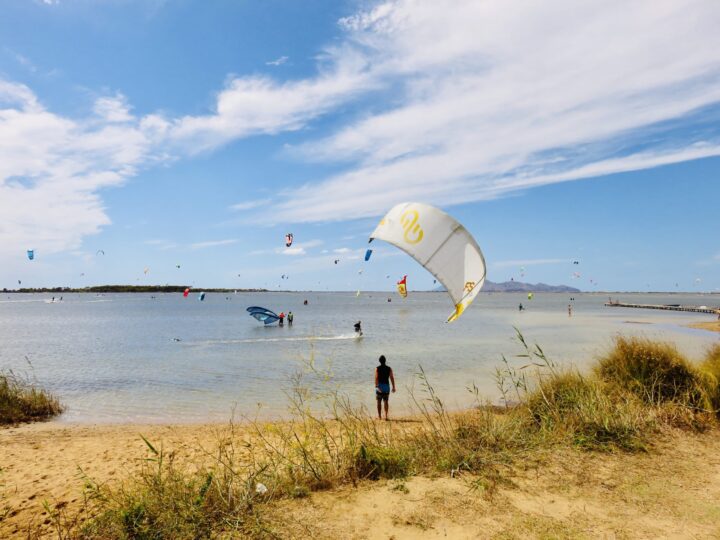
263 315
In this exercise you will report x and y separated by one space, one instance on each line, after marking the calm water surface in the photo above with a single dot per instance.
115 358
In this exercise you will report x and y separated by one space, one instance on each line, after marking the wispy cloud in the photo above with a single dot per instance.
212 243
161 244
542 93
249 205
547 93
278 61
299 248
529 262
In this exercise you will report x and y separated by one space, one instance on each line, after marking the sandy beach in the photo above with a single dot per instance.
671 492
45 461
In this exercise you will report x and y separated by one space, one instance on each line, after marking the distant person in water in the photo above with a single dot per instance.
305 303
282 318
290 318
520 307
383 377
569 310
358 328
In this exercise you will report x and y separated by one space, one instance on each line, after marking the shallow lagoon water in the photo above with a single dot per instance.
115 358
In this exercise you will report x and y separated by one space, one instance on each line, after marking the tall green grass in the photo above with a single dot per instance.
329 441
21 400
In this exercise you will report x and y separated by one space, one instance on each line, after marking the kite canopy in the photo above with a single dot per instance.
100 252
186 292
31 254
288 239
439 243
531 296
368 253
402 287
263 315
202 296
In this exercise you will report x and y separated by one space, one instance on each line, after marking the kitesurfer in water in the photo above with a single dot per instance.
520 307
358 328
383 377
305 303
290 317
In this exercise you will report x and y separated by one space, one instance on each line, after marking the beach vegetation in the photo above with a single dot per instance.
636 390
657 373
23 400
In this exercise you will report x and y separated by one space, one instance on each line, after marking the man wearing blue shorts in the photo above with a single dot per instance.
383 377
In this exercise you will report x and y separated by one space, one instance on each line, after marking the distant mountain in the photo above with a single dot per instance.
517 286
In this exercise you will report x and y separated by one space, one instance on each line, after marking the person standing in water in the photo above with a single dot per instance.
290 317
383 377
282 318
358 328
569 310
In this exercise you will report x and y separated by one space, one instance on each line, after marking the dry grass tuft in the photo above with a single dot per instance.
657 373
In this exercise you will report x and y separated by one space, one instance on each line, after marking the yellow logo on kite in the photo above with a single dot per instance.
413 232
469 286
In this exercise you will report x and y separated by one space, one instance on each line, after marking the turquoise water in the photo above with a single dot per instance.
115 358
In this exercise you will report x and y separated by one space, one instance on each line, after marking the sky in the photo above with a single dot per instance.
155 134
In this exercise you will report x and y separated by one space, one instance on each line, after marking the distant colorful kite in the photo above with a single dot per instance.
186 292
368 253
31 254
288 239
402 287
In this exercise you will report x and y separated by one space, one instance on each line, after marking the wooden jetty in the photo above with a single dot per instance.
668 307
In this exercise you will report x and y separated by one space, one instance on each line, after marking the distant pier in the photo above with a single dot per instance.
667 307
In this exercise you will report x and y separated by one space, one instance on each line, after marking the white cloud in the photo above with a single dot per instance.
113 109
278 61
295 250
342 251
299 248
52 169
491 100
249 205
469 101
260 105
212 243
161 244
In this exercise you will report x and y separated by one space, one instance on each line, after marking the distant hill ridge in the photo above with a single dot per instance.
518 286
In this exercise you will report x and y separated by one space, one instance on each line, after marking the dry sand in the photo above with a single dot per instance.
673 491
45 462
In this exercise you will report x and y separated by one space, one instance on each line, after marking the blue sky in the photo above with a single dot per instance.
198 133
